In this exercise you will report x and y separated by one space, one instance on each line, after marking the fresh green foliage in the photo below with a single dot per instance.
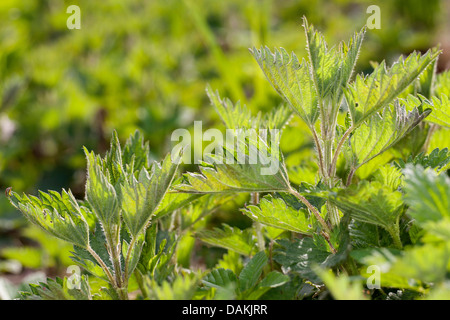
277 213
108 229
235 239
316 235
248 285
58 289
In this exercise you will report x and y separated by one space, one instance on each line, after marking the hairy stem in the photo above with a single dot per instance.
319 153
112 241
350 177
395 234
103 266
332 169
312 209
127 260
258 226
140 283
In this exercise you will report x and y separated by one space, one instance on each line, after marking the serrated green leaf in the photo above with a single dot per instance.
140 198
252 271
299 256
136 152
183 287
291 79
441 110
341 287
389 176
232 238
277 213
235 116
100 193
381 131
224 279
57 289
428 197
331 68
374 203
369 94
437 159
58 214
254 168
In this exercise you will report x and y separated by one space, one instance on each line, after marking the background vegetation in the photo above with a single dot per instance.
145 65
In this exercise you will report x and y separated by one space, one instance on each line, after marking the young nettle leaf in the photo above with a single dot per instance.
235 116
341 287
428 197
255 168
112 165
292 80
441 110
374 203
427 194
140 197
369 94
381 131
442 84
59 214
332 68
232 238
100 192
389 176
438 159
136 153
248 284
300 256
277 213
250 274
222 279
58 289
183 287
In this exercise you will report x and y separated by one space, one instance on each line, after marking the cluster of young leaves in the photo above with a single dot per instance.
109 229
381 109
247 285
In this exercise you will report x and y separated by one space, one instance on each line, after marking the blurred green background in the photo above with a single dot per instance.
145 65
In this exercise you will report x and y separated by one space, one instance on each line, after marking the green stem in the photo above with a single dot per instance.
103 266
112 241
332 169
322 170
258 226
127 260
313 210
140 283
395 234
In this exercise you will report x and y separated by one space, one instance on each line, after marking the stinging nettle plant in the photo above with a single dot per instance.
352 120
381 108
125 193
315 89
